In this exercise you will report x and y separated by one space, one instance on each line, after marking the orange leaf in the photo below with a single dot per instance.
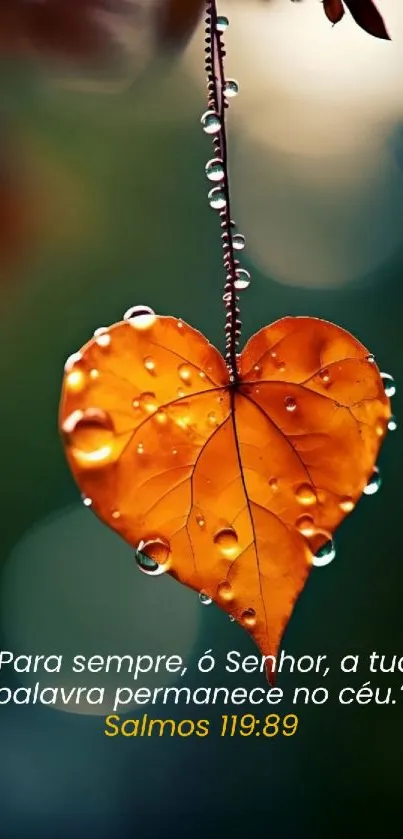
231 488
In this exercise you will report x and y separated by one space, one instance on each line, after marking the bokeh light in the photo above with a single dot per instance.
71 587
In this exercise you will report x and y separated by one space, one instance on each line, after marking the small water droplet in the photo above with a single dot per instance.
205 600
306 495
231 88
325 376
305 525
174 451
371 359
242 279
215 169
231 618
161 417
152 556
180 392
201 521
76 381
324 555
222 23
140 448
148 402
149 364
392 424
140 317
238 242
86 501
248 617
273 483
185 373
217 198
226 540
202 374
290 404
116 514
374 482
73 359
388 384
94 374
212 418
224 591
346 504
136 403
211 122
91 434
102 337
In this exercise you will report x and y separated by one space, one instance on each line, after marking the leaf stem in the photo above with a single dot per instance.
215 53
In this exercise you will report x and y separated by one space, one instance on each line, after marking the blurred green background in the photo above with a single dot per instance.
112 212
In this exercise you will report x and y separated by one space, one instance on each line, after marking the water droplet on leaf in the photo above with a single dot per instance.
148 402
306 495
140 317
185 373
86 501
91 434
226 540
374 482
102 337
290 404
149 364
388 384
324 555
305 525
152 556
76 381
346 504
224 591
392 424
205 599
248 617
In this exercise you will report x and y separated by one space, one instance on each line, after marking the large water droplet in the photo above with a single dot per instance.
211 122
141 317
306 495
324 555
374 482
388 384
217 198
226 540
215 169
205 599
222 23
152 556
91 434
392 424
231 88
242 279
238 242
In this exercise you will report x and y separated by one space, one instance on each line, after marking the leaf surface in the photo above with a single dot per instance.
231 489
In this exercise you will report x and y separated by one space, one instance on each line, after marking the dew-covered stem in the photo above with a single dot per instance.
217 170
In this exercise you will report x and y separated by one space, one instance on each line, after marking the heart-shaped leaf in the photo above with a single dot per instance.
232 488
